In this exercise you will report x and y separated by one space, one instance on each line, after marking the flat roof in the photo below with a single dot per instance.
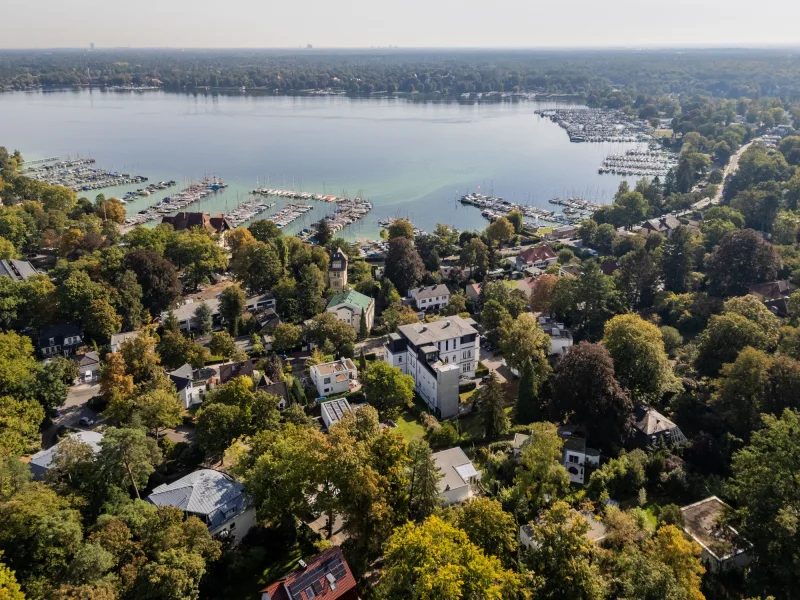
337 366
702 521
452 463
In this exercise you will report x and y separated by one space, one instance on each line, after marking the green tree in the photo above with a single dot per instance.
524 341
493 417
488 526
258 266
404 266
222 344
741 259
563 559
264 230
232 303
762 489
528 407
423 479
723 339
586 392
640 363
19 426
197 253
387 389
310 289
101 320
9 588
218 425
637 278
202 319
175 350
127 458
286 337
401 228
678 259
739 391
130 300
475 256
158 277
159 409
516 219
326 327
540 472
435 560
500 231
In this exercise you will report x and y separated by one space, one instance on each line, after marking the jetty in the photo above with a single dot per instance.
598 125
147 191
179 200
347 213
289 214
295 195
493 208
644 163
248 210
78 175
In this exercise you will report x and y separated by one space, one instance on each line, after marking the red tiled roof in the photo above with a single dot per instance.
539 253
293 585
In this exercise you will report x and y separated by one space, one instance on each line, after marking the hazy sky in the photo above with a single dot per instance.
363 23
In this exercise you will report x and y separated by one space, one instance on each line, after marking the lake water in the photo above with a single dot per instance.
410 160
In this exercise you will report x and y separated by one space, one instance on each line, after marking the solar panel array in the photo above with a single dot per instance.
311 578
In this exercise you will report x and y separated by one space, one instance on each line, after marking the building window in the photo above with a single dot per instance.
326 380
573 458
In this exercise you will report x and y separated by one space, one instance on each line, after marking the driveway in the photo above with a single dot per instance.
496 364
74 408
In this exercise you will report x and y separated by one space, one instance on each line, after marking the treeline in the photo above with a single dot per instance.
613 78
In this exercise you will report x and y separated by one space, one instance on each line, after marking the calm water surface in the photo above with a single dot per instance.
410 160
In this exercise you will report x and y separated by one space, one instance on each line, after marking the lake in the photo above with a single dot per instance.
410 159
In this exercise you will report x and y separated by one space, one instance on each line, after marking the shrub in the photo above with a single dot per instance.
445 436
467 387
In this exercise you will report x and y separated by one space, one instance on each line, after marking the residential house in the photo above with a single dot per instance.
335 377
349 306
41 461
231 370
268 319
436 355
260 302
337 271
61 339
189 220
665 225
184 314
774 295
213 497
118 339
574 270
560 336
192 384
473 292
540 257
278 388
18 270
526 285
459 477
332 411
88 367
562 233
325 576
650 426
597 530
575 456
723 547
431 297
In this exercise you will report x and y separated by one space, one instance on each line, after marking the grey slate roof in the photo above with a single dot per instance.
421 334
206 493
429 291
447 461
18 270
40 461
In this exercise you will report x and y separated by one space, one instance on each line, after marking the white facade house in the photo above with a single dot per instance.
335 377
118 339
184 314
213 497
436 355
431 297
193 384
459 476
332 411
260 302
348 307
575 456
560 336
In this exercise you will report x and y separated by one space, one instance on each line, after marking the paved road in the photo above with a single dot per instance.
74 408
730 169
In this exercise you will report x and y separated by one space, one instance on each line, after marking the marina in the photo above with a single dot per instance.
295 195
289 214
642 163
598 125
347 213
248 210
78 175
493 208
147 191
179 200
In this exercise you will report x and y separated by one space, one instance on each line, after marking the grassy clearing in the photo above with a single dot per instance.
408 425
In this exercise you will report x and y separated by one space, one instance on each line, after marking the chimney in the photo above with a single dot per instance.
302 564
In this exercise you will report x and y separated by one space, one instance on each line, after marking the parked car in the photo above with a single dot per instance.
86 422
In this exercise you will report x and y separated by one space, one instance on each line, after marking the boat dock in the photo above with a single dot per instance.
295 195
598 125
289 214
78 176
494 208
179 200
247 211
146 191
347 213
644 163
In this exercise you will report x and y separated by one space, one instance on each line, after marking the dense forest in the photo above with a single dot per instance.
597 75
